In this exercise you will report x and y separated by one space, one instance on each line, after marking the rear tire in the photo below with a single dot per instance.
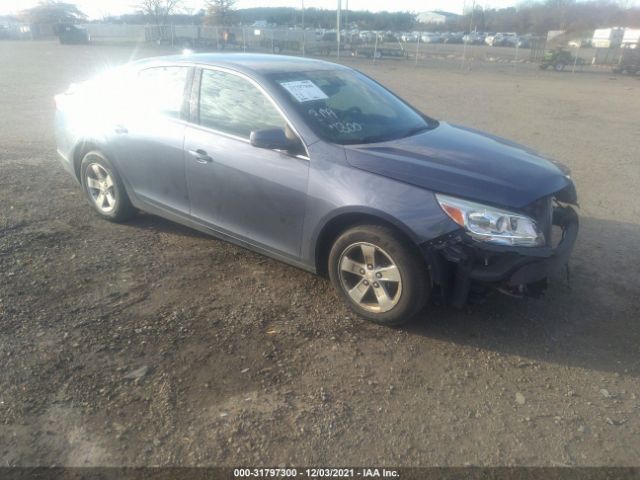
104 188
381 276
559 66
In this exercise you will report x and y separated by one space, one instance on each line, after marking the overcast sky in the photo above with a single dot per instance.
99 8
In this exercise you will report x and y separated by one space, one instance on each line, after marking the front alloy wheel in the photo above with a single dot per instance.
370 277
100 187
379 273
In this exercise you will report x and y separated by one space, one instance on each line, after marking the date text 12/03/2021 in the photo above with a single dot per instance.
315 473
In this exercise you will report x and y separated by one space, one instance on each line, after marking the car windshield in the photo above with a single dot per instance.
346 107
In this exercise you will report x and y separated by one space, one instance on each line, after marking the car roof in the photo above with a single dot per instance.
248 62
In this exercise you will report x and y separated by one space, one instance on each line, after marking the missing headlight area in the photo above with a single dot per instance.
466 269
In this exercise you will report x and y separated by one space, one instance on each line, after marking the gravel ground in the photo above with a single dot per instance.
151 344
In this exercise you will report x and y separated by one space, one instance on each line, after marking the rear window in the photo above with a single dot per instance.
160 90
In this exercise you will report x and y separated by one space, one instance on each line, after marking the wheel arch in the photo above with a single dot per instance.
333 227
87 145
83 147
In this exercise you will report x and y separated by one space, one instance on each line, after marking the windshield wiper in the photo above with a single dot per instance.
392 136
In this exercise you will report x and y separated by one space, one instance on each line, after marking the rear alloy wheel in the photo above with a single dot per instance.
380 275
104 189
559 66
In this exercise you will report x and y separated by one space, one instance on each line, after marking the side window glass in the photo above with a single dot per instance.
233 105
160 90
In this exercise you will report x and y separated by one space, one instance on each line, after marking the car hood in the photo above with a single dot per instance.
466 163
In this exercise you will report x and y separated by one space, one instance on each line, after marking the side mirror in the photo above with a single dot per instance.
271 138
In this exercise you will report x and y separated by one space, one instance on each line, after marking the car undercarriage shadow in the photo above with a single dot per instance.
148 221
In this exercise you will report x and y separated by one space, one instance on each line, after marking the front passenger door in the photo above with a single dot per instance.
254 194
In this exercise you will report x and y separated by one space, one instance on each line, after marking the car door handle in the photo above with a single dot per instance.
201 156
121 129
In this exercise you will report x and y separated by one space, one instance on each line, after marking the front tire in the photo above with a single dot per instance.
104 188
381 276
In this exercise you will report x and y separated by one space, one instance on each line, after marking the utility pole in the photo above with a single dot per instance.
346 15
304 35
464 48
338 27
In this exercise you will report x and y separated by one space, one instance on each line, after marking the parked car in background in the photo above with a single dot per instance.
410 37
327 44
525 41
580 43
474 38
488 38
389 37
453 37
504 40
72 34
367 36
431 38
321 167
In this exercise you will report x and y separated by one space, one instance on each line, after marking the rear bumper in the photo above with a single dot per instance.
67 164
513 270
65 139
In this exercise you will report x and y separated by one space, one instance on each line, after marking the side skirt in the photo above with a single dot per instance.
192 223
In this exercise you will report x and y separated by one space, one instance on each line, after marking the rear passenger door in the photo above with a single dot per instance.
150 137
255 194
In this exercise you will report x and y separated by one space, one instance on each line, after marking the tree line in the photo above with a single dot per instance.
528 17
540 17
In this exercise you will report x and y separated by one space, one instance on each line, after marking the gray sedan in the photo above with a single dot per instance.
319 166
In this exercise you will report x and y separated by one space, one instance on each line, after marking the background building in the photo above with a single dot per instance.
436 16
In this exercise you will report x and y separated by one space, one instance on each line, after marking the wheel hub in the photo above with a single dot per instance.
370 277
100 187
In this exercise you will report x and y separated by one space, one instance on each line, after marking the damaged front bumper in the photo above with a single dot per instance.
513 270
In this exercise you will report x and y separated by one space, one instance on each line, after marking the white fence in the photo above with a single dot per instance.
283 40
246 38
297 41
233 38
116 32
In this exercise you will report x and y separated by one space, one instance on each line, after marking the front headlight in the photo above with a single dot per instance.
492 225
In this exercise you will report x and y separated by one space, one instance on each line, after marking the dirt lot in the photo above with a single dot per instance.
151 344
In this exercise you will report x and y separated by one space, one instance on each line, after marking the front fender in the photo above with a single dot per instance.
340 191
